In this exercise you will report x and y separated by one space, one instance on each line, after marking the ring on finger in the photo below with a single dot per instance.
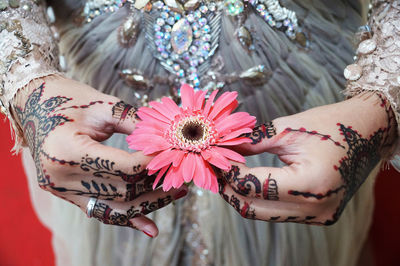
90 207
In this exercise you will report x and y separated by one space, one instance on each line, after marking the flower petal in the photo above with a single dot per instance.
236 141
171 105
209 103
161 160
237 133
178 158
230 154
149 144
216 159
200 176
187 96
188 167
226 99
163 109
214 181
159 176
226 111
167 184
177 179
234 122
146 113
199 99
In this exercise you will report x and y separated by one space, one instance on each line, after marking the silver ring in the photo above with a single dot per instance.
90 207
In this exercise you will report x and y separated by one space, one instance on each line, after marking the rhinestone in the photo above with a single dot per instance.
157 27
260 8
181 73
171 20
164 15
170 62
197 14
160 22
206 29
186 56
166 8
174 56
352 72
202 22
253 2
196 82
286 22
167 28
291 34
158 42
190 17
234 7
207 46
197 34
271 23
177 16
182 36
203 9
212 6
201 60
197 42
193 76
206 37
167 36
176 67
194 62
195 26
193 49
161 48
366 47
164 55
159 35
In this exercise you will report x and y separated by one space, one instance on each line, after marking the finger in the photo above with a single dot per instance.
105 189
108 162
294 183
126 214
123 117
271 211
261 139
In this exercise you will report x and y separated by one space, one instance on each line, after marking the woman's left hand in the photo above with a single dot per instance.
329 152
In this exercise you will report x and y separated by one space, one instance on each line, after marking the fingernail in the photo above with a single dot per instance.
147 233
181 194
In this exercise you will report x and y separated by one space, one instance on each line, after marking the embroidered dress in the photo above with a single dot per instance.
282 57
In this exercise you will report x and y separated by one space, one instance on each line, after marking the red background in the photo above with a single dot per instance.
24 241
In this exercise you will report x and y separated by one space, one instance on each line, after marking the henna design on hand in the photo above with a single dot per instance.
84 106
105 214
104 168
122 111
38 120
315 133
261 132
244 185
270 189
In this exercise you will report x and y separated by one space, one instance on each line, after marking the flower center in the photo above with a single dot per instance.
193 131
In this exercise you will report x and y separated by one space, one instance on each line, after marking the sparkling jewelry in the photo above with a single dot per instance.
90 207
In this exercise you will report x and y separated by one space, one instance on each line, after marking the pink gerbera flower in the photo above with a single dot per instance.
186 140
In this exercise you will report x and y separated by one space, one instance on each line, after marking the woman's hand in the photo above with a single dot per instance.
329 152
63 123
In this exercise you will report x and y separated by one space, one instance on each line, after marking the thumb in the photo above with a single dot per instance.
262 138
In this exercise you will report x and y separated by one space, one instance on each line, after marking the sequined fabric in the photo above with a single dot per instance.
27 50
378 65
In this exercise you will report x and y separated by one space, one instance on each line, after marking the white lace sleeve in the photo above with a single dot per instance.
377 67
27 49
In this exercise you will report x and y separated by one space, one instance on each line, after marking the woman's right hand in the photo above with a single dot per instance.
63 122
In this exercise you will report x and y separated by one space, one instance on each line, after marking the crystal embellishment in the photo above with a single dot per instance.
181 36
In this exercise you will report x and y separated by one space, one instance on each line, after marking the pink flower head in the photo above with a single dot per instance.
186 140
